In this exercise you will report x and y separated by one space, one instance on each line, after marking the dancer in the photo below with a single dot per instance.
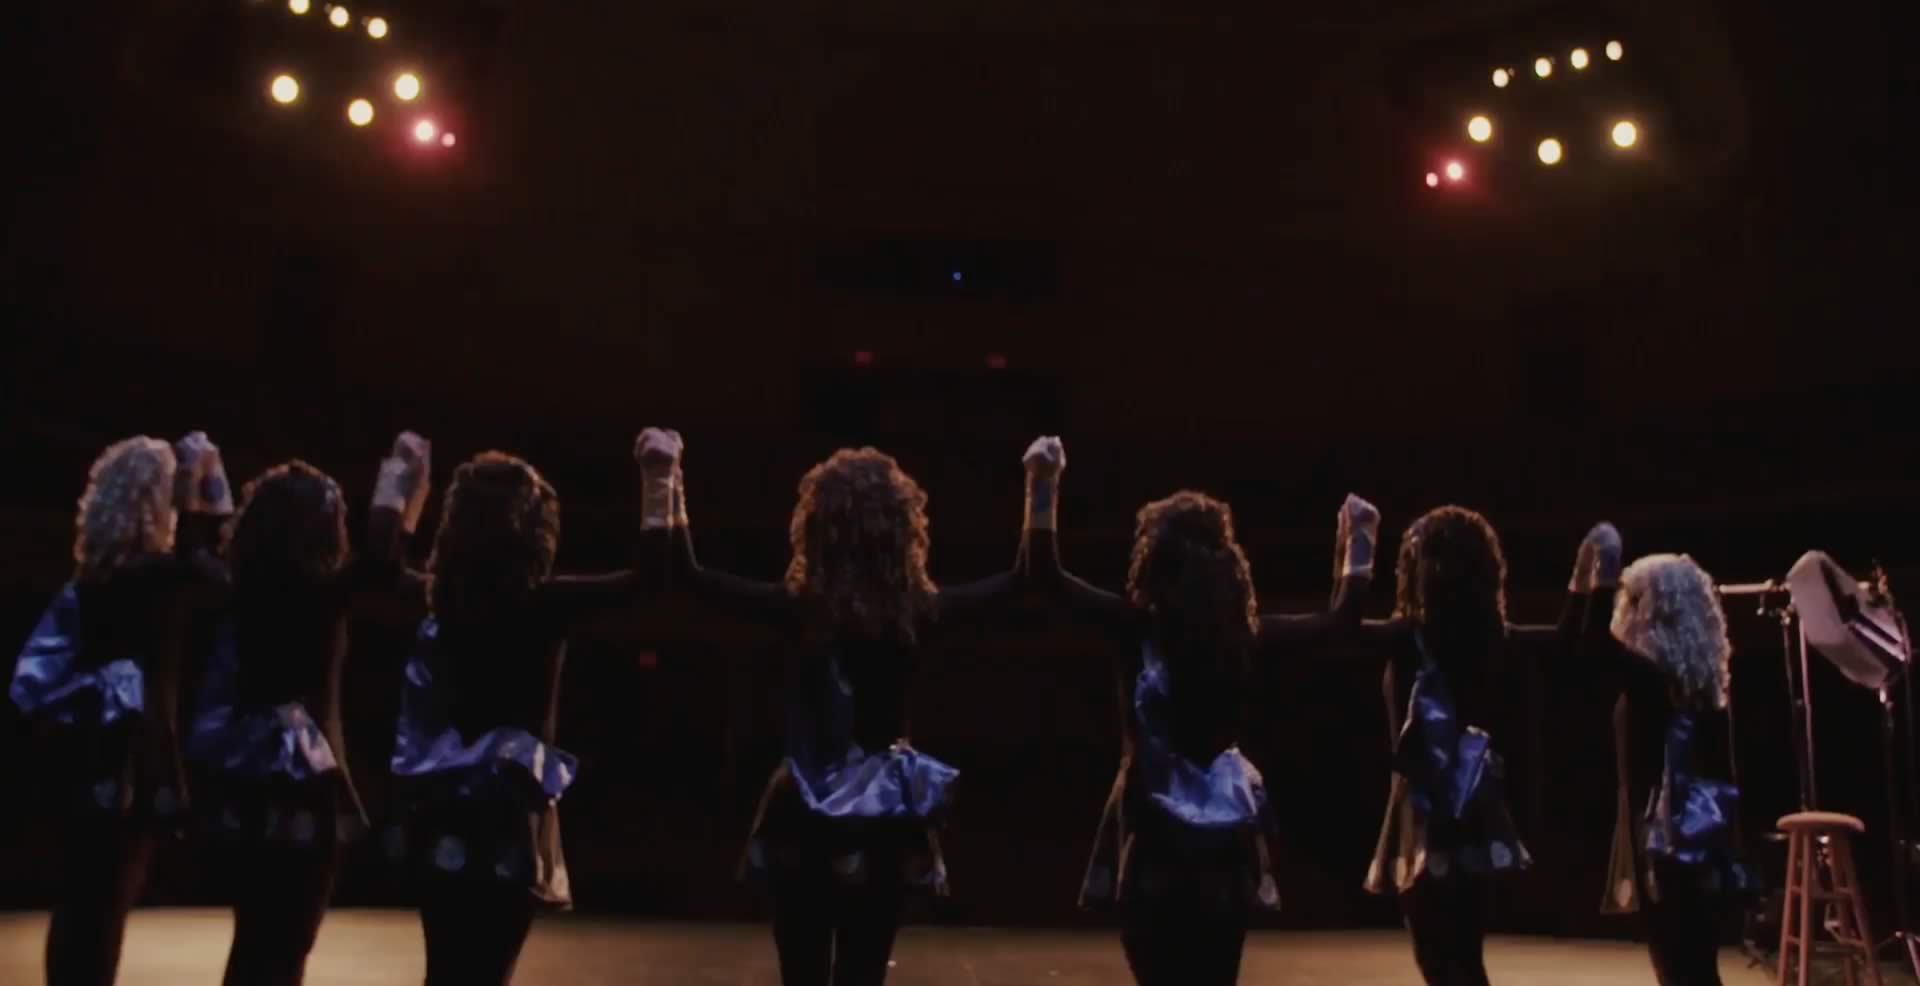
1671 669
267 739
100 678
1448 831
1182 847
849 822
473 749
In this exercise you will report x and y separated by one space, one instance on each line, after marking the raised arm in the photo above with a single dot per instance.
1582 624
380 570
667 540
1357 532
1041 567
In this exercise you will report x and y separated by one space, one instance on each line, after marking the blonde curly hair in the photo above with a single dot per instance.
1668 612
127 509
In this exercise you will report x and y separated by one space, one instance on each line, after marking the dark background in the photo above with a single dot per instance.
1195 243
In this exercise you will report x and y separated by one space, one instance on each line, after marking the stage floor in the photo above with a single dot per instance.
382 948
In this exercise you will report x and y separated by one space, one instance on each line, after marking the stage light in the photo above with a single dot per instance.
1615 52
407 87
360 112
1480 129
1501 77
299 6
285 89
425 131
1578 59
1543 66
1433 180
1625 134
447 139
376 28
339 16
1455 171
1549 151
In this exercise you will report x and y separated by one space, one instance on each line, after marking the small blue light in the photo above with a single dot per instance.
956 277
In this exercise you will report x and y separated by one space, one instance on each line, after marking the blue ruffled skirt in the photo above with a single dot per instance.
92 715
1447 823
864 816
477 808
1173 830
266 774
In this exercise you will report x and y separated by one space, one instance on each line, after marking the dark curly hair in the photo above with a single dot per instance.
860 542
499 531
1452 582
291 528
1190 576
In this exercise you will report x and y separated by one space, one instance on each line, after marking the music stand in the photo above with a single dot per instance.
1856 627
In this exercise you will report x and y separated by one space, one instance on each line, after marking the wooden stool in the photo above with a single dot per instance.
1837 894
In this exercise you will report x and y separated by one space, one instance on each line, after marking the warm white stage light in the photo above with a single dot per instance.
1578 59
1615 52
1625 134
1480 129
425 131
285 89
360 112
1501 77
448 139
1455 171
339 16
377 28
1549 151
407 87
1433 180
1543 66
299 6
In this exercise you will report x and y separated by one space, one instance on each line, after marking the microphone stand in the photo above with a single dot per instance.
1773 599
1898 817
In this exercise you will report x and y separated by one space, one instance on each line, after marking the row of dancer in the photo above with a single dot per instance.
190 671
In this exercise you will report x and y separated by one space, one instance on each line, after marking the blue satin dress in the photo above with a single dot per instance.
1689 825
483 806
93 708
1176 829
1447 812
266 774
861 809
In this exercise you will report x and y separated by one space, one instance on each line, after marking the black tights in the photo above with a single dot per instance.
1683 930
828 934
280 896
474 930
1172 942
106 870
1448 920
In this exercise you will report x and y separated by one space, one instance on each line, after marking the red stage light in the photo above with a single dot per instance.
1455 171
1433 180
996 361
863 357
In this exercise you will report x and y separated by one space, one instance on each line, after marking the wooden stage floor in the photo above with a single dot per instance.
382 948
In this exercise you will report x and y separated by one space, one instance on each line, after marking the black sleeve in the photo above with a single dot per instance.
379 574
1340 619
745 597
1045 571
1560 639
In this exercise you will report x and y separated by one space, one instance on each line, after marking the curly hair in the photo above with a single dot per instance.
1190 576
1668 612
860 542
127 509
499 532
291 527
1451 581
